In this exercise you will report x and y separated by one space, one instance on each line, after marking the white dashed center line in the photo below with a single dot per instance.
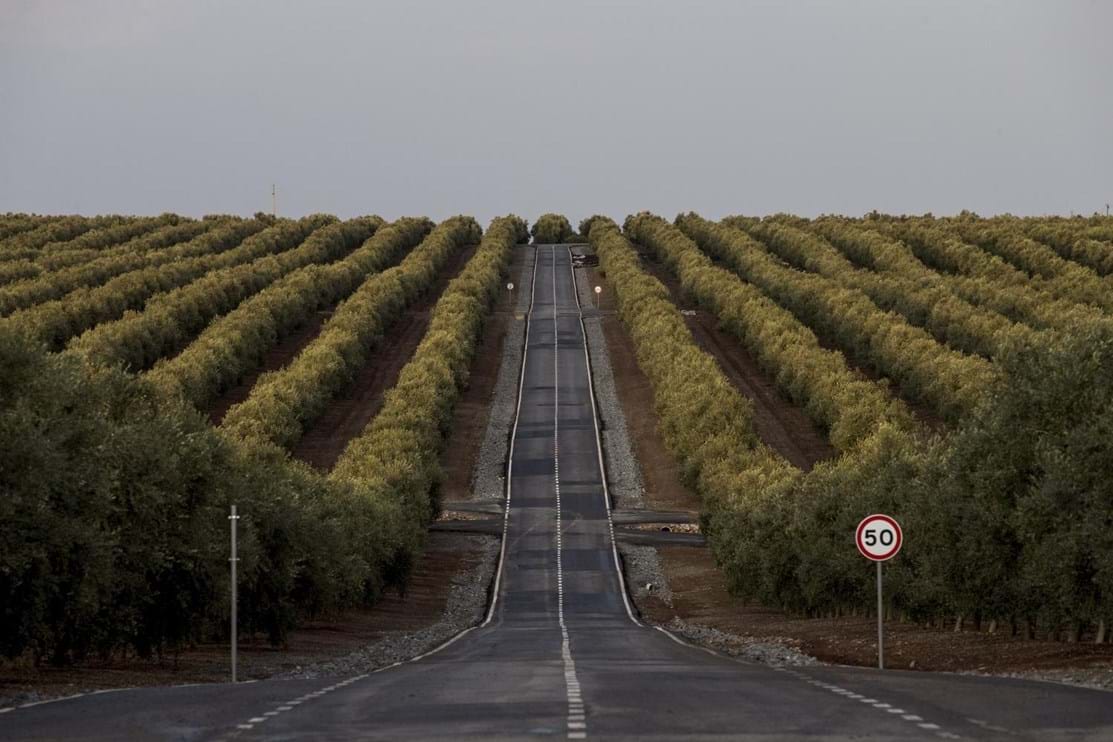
576 722
879 705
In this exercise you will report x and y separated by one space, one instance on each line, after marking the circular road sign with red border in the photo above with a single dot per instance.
879 537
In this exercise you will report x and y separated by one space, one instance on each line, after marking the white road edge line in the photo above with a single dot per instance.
506 523
510 451
599 448
614 547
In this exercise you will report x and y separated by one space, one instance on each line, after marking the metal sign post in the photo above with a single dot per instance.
233 518
598 290
879 538
880 622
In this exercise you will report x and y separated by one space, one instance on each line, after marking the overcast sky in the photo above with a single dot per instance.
436 108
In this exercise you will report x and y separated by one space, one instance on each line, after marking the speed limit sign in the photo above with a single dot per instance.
879 537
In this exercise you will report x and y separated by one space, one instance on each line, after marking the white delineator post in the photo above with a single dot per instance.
879 538
233 518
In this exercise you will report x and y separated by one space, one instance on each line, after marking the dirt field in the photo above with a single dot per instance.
446 556
348 414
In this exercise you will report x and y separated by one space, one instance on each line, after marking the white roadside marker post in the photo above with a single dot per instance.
233 518
879 538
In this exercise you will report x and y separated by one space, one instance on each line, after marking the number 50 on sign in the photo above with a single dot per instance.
879 537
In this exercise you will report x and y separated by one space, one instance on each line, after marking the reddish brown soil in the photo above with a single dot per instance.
469 417
446 555
700 596
920 410
278 356
660 473
781 425
350 412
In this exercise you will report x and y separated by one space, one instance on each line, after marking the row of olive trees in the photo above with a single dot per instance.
982 529
19 266
838 399
1088 246
55 321
925 303
999 285
234 344
285 402
12 224
113 236
109 543
28 243
550 229
393 466
170 319
1067 278
113 514
950 381
56 284
889 256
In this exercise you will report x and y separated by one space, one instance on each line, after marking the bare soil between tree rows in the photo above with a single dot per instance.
349 412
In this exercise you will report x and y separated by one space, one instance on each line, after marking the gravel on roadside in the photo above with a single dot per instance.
624 476
644 575
467 602
489 475
778 651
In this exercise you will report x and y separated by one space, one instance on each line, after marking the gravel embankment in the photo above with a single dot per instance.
644 575
467 602
777 651
489 476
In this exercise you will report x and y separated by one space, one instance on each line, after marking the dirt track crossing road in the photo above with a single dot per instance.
560 655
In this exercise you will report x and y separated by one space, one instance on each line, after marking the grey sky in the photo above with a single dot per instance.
489 107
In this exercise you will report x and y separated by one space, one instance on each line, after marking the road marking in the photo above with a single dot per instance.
572 684
599 450
510 451
879 705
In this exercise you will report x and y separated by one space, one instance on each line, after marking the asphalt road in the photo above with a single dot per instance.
560 654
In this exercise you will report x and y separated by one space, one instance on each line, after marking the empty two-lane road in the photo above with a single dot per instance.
561 654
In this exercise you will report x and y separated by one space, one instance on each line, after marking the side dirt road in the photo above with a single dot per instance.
679 586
